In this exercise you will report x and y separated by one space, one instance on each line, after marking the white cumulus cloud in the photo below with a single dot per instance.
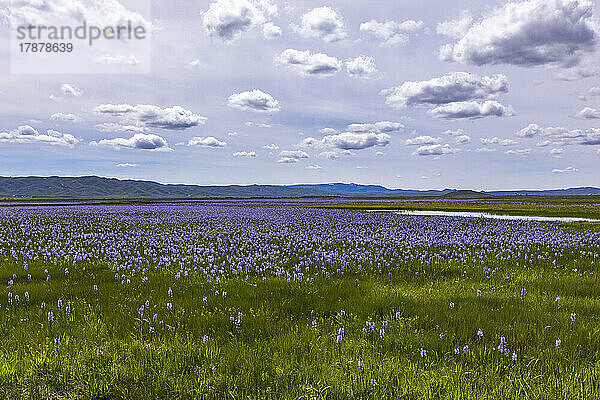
561 136
172 118
450 88
563 171
528 33
485 150
309 64
248 154
65 117
435 150
27 134
271 31
228 19
208 141
254 100
291 156
361 67
294 154
498 141
423 140
140 141
460 137
378 127
349 141
588 113
322 23
390 32
99 13
472 110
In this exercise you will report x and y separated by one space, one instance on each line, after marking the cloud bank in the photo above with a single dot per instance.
528 33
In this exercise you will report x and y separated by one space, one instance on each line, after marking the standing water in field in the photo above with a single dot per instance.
471 214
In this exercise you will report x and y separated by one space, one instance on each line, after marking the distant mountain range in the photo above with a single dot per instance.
88 187
354 190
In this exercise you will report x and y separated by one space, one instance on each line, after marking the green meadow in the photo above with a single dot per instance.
521 322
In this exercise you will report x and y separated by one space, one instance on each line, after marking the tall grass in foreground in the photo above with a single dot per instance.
450 332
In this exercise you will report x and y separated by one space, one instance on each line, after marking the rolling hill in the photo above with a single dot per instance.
94 187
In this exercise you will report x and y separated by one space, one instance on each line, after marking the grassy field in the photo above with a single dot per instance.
291 303
546 206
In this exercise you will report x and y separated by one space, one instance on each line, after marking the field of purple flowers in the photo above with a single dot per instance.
292 302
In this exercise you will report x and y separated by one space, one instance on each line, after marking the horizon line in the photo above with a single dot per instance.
292 184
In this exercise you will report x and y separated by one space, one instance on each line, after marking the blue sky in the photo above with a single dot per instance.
407 94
